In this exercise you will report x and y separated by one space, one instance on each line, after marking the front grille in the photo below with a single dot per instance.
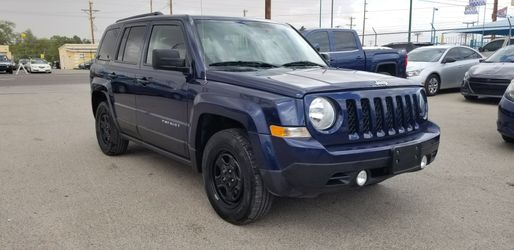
488 86
400 115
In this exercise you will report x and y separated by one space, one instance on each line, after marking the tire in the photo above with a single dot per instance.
228 166
432 84
107 134
471 98
508 139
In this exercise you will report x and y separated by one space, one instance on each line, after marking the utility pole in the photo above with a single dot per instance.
90 12
244 13
332 15
351 23
267 9
171 7
495 11
364 21
320 3
410 20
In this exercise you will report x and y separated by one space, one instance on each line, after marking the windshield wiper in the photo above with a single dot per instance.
302 64
253 64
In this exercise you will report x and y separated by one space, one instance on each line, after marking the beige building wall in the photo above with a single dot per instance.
71 55
4 50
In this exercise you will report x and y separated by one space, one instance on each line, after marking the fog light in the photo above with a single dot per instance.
362 177
424 162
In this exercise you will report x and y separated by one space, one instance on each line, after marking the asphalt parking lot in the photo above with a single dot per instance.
58 191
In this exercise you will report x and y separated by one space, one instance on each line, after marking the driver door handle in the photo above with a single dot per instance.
142 80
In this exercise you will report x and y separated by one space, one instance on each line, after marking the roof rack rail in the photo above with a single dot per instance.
156 13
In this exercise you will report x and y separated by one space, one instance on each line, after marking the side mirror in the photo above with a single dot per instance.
481 49
325 56
481 60
168 59
317 47
449 60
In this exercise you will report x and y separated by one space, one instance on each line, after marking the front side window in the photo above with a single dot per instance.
344 41
320 38
255 43
106 51
166 37
130 49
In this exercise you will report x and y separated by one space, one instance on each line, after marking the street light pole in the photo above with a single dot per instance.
320 2
410 20
332 15
432 36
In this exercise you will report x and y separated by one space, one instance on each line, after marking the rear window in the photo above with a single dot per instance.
130 49
107 48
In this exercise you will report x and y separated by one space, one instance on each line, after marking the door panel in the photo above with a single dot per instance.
345 51
161 97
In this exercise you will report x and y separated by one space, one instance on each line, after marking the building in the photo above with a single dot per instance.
71 55
4 50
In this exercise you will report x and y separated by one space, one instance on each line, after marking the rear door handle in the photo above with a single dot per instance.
142 80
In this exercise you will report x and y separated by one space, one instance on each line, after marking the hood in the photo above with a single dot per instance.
299 82
411 66
493 70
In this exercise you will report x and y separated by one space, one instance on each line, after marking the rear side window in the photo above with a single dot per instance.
107 48
344 41
494 45
319 38
467 54
131 44
166 37
454 53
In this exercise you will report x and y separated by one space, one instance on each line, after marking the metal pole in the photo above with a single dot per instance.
376 35
510 29
364 22
320 2
432 35
151 6
410 20
483 26
171 7
332 15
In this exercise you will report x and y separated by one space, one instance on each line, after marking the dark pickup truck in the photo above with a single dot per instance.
344 50
252 106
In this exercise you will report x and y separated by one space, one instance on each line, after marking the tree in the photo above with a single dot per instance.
7 32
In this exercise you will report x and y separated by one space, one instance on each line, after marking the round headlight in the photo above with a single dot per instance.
322 113
423 106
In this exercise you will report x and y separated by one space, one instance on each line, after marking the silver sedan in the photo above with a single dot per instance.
441 67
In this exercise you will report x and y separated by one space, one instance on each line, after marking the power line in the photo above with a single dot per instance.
90 12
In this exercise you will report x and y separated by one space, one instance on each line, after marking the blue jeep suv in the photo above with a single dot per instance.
252 106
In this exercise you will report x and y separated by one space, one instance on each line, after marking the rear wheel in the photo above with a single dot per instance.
232 181
109 138
508 139
432 84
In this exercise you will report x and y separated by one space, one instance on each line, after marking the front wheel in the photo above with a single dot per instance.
432 84
508 139
232 181
109 138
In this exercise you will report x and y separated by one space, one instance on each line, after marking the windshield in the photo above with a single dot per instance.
254 44
426 55
3 58
38 61
503 55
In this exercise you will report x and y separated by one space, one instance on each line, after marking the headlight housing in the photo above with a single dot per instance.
422 105
414 73
510 91
322 113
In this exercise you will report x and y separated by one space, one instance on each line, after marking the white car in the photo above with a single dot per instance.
441 67
494 45
38 65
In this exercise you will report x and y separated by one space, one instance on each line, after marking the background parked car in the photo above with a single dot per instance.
407 46
343 49
491 77
38 65
495 45
86 64
442 66
6 64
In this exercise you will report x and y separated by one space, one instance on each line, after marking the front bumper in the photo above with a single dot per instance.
491 91
307 169
505 121
6 67
41 70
